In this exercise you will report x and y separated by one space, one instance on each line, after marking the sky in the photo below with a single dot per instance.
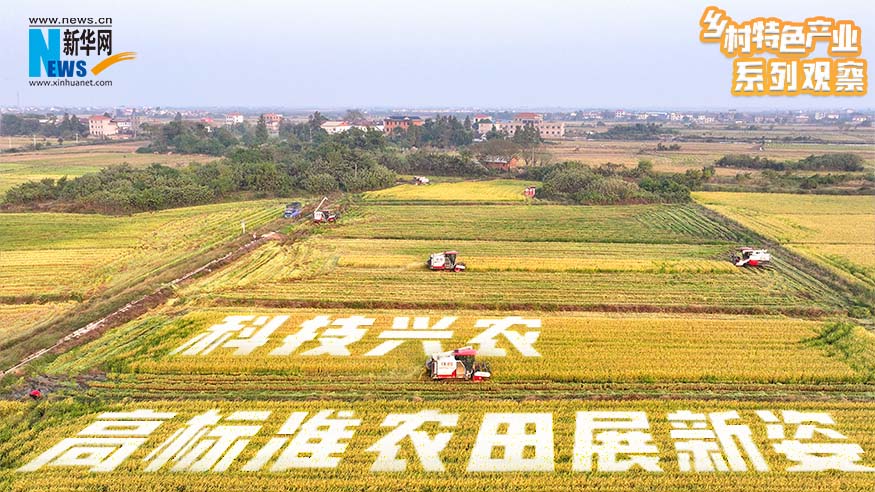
413 53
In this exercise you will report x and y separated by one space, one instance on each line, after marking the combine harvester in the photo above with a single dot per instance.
325 216
457 364
445 261
751 257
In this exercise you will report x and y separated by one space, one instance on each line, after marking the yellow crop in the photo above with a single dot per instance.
499 190
854 420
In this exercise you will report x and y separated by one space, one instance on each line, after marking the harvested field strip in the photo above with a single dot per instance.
655 224
836 231
768 290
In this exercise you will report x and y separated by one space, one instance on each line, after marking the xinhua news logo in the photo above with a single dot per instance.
71 51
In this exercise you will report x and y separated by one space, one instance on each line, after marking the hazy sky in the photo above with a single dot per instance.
414 53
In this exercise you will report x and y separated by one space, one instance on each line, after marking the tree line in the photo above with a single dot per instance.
839 161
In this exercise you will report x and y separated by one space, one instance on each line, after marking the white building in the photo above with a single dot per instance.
102 126
233 118
332 127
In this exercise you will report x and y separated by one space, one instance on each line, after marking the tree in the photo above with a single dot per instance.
530 138
260 131
355 116
502 148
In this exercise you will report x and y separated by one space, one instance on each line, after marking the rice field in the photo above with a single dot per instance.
51 265
838 231
614 308
18 318
695 155
652 224
571 348
637 258
78 255
467 448
498 190
75 161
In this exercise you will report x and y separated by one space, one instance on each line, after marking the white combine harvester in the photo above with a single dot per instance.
325 216
751 257
446 261
457 364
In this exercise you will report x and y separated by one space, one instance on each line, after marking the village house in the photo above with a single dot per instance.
402 122
233 118
273 120
102 126
500 163
332 127
484 124
547 130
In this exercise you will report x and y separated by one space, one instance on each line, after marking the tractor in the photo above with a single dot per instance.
445 261
293 210
457 364
751 257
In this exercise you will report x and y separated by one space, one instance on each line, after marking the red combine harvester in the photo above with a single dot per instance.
457 364
325 216
751 257
445 261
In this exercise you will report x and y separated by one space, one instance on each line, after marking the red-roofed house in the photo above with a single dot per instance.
273 120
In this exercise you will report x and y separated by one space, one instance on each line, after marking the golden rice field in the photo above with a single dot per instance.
589 268
838 231
573 348
74 161
652 224
695 155
77 255
18 318
61 262
32 430
639 310
498 190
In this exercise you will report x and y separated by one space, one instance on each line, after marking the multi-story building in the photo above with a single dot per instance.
484 124
402 122
273 120
547 129
102 126
233 118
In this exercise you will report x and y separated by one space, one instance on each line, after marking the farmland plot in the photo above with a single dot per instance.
838 231
547 452
566 348
44 254
64 259
498 190
594 258
655 224
55 163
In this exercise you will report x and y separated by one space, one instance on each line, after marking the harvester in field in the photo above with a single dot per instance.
445 260
751 257
459 364
324 215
